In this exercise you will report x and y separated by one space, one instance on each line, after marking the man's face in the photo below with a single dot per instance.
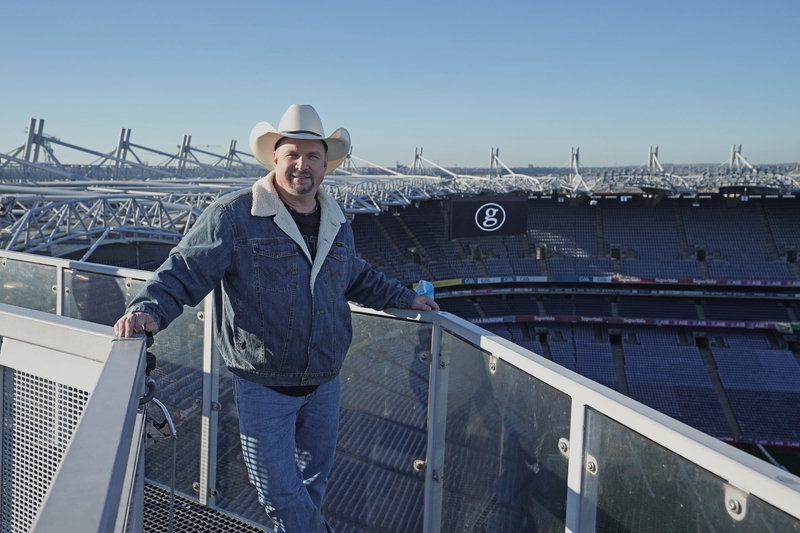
300 166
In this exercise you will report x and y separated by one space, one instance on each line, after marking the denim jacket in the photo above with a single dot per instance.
281 319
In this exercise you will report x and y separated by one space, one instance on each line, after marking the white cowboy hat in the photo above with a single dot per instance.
299 122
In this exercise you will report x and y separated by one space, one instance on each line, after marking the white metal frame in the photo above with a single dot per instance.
94 477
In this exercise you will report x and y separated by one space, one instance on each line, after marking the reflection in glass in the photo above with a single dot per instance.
373 486
641 486
503 470
28 285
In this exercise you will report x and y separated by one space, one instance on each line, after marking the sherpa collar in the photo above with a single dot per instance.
267 203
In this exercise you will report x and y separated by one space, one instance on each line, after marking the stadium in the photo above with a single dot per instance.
678 288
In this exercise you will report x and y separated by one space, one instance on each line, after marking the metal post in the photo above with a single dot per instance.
575 466
187 139
208 438
231 154
38 139
60 290
127 141
437 417
29 141
591 470
118 151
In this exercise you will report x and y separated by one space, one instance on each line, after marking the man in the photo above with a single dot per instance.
285 257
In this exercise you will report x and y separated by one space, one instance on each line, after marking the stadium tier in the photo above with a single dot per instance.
673 370
753 240
695 373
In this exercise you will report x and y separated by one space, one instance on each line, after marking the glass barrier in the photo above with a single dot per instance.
97 298
382 431
28 285
102 299
179 376
503 470
235 493
633 484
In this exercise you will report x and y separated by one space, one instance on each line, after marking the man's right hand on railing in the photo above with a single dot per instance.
133 323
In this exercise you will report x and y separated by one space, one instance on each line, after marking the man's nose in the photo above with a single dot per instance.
302 162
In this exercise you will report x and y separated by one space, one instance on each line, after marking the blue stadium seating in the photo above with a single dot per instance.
740 241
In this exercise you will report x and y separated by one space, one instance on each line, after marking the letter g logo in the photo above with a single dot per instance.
490 217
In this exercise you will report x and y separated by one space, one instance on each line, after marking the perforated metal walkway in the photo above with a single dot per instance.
189 516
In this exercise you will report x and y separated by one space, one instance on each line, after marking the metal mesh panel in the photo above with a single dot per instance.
39 419
189 516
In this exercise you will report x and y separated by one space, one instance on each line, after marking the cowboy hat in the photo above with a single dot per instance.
299 122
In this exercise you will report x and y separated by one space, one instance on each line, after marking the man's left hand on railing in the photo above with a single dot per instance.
423 303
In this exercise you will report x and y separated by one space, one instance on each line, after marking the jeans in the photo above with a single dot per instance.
288 445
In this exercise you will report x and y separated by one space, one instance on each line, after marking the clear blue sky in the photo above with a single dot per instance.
456 78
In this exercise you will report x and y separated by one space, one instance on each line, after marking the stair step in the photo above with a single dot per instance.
722 396
388 238
601 238
768 236
701 313
619 366
684 244
421 249
546 352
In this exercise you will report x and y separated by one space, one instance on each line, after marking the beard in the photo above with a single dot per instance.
301 183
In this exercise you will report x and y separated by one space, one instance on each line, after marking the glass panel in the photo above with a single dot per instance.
179 376
502 467
641 486
382 430
178 349
28 285
97 298
236 495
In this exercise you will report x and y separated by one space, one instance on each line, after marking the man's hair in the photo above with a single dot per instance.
280 141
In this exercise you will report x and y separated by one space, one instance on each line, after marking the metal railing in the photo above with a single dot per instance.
70 419
444 427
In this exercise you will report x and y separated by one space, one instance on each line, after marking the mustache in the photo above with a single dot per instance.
301 174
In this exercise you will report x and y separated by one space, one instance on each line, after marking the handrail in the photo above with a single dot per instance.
77 265
89 482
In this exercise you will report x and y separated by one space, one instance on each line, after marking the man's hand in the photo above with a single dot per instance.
423 303
133 323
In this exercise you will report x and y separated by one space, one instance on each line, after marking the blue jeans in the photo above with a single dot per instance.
288 445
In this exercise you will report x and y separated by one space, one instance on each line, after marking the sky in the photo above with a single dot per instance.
456 78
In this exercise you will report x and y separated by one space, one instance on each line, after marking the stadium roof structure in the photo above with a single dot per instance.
120 195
